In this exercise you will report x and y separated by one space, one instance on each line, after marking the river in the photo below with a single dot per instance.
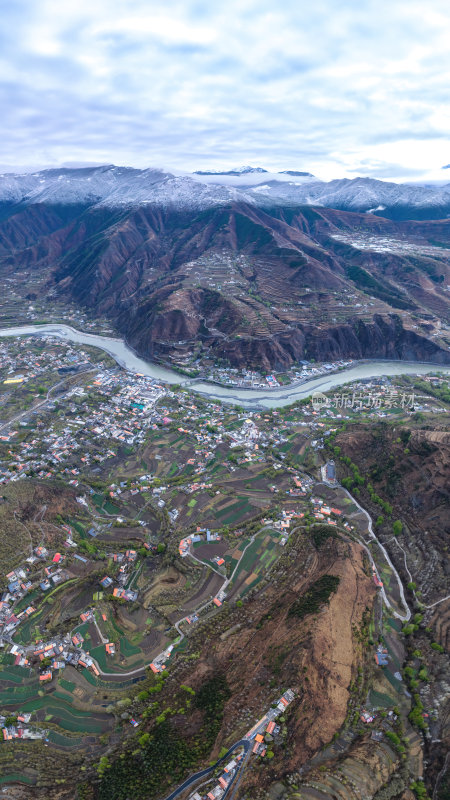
248 398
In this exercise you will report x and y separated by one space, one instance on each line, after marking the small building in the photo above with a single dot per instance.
331 471
106 581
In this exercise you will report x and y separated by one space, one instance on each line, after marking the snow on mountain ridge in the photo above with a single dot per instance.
235 171
113 186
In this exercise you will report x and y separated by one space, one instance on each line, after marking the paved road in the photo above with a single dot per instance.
402 617
442 600
238 776
245 743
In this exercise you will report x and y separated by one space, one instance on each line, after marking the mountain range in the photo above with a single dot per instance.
118 186
243 266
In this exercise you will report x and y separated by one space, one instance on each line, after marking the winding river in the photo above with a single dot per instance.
248 398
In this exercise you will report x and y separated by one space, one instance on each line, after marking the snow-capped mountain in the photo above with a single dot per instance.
113 186
245 177
358 194
235 171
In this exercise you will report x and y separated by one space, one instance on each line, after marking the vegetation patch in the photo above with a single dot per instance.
321 534
318 594
165 756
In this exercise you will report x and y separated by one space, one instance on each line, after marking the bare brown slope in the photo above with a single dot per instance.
316 656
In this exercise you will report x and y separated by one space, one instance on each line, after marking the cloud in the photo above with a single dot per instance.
333 89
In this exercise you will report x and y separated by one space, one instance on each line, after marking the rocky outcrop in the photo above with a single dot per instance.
384 338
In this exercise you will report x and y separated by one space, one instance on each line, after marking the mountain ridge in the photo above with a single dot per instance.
240 284
116 187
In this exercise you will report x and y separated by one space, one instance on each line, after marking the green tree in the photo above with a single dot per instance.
103 765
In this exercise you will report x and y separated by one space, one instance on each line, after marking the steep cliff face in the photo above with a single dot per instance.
384 337
256 287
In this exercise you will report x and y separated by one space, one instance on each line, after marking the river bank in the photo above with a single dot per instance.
248 398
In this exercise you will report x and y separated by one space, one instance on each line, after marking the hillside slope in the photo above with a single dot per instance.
252 286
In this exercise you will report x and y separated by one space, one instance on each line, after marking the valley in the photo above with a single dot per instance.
184 564
224 453
207 279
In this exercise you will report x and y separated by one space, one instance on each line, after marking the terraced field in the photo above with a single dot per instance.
17 777
235 512
257 559
252 560
58 710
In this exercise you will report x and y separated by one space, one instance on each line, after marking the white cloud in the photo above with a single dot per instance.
333 89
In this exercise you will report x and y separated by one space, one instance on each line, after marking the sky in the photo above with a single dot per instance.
338 89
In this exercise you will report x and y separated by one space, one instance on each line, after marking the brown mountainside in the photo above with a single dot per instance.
250 286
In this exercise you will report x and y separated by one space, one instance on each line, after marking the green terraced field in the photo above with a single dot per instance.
395 683
81 529
235 512
18 694
128 649
99 653
16 777
249 558
110 508
103 684
27 600
14 674
64 741
24 634
70 718
395 624
379 699
67 685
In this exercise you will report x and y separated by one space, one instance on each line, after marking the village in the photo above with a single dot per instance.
160 488
247 378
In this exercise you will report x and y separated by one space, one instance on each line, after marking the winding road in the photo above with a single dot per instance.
402 617
245 743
